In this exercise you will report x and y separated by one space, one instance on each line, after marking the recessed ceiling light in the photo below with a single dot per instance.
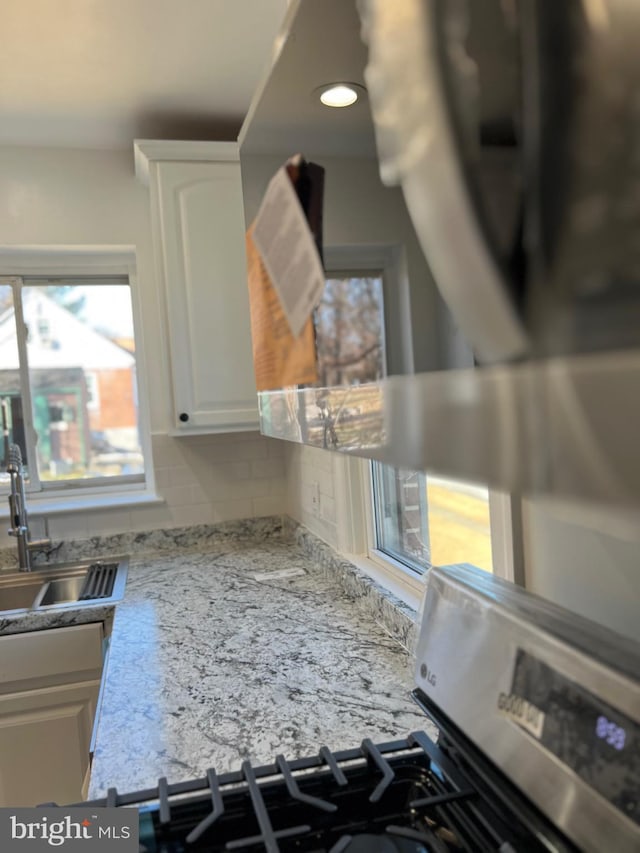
339 95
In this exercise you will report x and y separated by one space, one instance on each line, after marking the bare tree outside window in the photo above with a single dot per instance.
350 331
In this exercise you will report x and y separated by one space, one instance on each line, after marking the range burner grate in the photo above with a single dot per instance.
405 796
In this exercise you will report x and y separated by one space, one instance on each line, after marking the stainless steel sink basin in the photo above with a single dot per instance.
60 591
19 596
77 584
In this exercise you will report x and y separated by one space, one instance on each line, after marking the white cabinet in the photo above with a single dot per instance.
198 229
49 686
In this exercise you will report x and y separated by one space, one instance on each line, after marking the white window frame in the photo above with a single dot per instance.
355 527
390 261
377 554
356 535
18 262
355 531
354 506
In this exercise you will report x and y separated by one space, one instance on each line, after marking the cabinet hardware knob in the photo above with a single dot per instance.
184 417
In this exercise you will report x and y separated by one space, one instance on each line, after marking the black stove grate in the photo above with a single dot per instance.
406 796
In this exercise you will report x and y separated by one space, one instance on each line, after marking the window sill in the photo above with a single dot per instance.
60 504
408 588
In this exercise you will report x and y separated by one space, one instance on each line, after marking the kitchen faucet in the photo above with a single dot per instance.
18 511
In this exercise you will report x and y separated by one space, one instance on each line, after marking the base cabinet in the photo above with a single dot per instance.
44 743
49 686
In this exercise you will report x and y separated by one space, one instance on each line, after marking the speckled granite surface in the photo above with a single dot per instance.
197 538
210 665
388 611
169 540
39 620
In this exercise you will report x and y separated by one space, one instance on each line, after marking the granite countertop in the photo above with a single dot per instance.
217 657
23 621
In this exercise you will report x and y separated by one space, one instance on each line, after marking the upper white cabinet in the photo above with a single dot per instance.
198 229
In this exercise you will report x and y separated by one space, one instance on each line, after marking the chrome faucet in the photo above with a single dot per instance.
18 511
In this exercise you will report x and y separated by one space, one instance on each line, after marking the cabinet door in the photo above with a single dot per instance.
44 743
199 217
49 686
53 656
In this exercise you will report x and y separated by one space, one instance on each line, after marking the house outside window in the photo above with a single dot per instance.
68 379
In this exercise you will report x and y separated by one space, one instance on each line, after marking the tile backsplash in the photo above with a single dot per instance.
200 480
305 467
210 479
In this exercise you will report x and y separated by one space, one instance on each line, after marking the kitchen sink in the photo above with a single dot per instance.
60 591
19 596
77 584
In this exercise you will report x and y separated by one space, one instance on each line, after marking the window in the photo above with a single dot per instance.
401 523
68 380
459 523
349 326
415 520
421 520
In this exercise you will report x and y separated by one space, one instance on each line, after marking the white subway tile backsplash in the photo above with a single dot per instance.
277 487
268 506
229 510
267 468
321 528
318 458
162 477
208 454
249 489
325 479
178 496
249 449
184 516
276 448
305 466
167 451
72 526
199 495
202 479
232 471
244 435
151 518
180 475
328 509
109 521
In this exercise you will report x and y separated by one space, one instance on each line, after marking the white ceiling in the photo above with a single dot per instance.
99 73
323 45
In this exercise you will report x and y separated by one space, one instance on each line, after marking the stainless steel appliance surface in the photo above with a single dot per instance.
491 116
552 699
517 214
538 714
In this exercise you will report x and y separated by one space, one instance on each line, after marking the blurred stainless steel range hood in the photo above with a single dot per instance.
563 427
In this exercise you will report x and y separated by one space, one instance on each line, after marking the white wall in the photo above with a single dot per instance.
82 197
587 560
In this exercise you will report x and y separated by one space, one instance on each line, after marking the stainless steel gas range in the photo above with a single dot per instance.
538 713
